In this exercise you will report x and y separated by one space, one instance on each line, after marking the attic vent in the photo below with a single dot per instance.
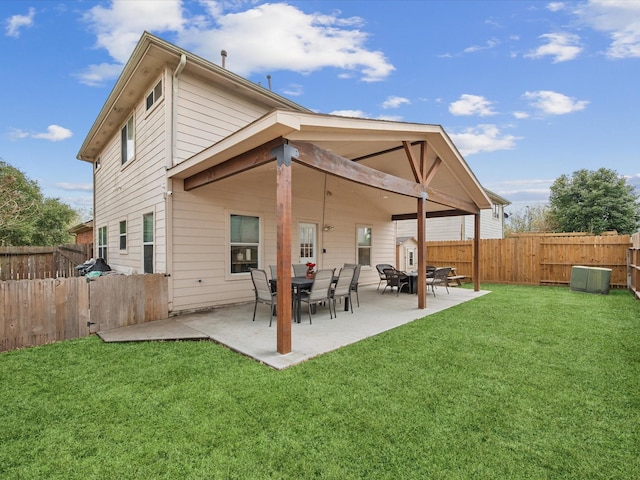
223 53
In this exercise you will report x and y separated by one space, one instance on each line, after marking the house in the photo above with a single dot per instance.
461 227
202 175
83 232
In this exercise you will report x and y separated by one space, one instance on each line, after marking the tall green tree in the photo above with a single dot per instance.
26 216
594 202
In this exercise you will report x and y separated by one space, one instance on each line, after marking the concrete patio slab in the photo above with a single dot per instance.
232 326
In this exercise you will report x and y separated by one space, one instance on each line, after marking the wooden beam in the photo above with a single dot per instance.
315 157
246 161
476 252
382 152
422 254
442 213
283 248
415 168
428 176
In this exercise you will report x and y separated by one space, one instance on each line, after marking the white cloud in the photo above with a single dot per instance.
96 75
554 103
620 19
349 113
301 42
293 90
483 138
79 187
54 133
520 115
556 6
390 118
119 27
475 48
561 46
395 102
471 105
16 22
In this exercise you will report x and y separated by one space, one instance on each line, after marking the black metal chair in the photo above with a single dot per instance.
264 293
395 278
440 277
380 268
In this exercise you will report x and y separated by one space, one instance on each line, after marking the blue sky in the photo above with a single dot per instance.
527 90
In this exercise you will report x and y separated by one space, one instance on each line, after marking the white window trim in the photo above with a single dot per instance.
126 236
370 247
227 262
156 100
131 119
152 243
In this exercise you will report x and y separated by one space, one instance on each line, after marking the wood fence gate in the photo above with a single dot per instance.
36 312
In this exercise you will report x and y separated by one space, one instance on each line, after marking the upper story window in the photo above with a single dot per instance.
496 210
364 245
127 147
96 164
154 95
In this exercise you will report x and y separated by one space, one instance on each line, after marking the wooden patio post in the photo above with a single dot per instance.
476 252
422 252
283 155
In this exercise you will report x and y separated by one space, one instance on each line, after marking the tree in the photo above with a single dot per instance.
531 219
26 216
594 202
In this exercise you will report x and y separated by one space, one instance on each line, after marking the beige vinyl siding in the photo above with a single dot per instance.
126 192
206 114
200 243
454 228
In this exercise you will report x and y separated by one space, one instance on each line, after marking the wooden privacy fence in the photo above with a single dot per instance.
634 266
36 312
535 260
17 263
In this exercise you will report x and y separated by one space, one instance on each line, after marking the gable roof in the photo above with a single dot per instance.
373 144
147 60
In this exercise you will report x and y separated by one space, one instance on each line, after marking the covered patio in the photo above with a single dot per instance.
233 328
398 170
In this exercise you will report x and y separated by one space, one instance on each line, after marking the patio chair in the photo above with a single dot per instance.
355 279
395 278
342 288
299 269
320 290
263 292
430 270
440 277
380 267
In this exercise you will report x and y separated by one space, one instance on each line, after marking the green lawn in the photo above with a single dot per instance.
527 382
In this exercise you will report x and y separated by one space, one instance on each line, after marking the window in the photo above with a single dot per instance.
127 146
411 258
96 164
244 242
154 95
102 243
364 246
496 210
123 235
147 242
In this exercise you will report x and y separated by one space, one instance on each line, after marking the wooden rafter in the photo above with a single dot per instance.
241 163
415 167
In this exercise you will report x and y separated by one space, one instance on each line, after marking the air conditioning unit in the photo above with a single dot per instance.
590 279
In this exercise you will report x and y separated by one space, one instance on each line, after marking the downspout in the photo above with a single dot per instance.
171 159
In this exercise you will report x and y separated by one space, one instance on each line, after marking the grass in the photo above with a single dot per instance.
527 382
